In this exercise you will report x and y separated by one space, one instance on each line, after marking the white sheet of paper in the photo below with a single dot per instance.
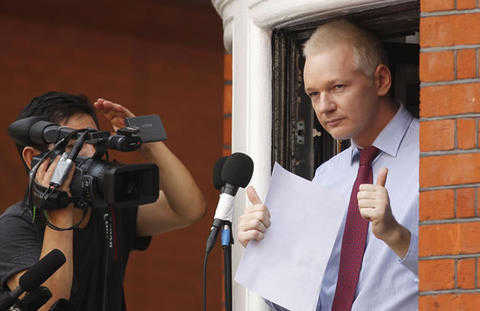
287 266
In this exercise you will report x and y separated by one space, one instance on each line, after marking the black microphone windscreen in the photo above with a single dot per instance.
20 130
7 300
217 173
35 299
238 170
61 305
42 270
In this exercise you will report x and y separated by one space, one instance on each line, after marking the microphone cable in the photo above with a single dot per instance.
205 282
218 183
210 244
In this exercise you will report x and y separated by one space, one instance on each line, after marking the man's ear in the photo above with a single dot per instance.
383 80
28 153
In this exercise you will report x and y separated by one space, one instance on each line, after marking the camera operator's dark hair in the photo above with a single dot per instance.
55 107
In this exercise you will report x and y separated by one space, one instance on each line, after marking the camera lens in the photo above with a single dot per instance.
127 186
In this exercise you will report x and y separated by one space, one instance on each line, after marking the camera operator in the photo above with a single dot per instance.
81 279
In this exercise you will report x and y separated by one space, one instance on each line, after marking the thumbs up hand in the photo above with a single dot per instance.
255 219
374 206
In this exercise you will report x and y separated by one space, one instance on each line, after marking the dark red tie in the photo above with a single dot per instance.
354 237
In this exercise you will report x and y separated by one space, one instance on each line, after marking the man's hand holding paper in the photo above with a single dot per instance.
285 262
254 221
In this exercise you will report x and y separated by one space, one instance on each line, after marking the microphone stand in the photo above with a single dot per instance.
227 241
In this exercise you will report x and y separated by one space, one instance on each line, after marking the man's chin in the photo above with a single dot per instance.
340 135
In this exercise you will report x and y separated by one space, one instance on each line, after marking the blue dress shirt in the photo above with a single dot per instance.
386 282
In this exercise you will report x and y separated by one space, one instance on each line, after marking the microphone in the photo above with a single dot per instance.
33 300
34 277
236 172
42 270
6 300
36 131
60 305
218 183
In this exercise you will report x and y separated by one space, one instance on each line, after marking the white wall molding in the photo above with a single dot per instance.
226 9
279 13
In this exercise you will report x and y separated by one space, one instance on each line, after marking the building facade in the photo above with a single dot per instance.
443 80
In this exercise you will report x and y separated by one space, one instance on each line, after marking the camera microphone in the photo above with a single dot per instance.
61 305
42 270
35 131
34 277
33 300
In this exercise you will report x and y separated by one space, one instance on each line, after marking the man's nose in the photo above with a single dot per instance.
324 103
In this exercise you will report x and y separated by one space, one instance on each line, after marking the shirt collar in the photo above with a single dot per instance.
391 136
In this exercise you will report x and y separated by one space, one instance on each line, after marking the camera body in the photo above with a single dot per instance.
99 183
96 182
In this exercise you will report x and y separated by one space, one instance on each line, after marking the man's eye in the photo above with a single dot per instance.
339 87
312 94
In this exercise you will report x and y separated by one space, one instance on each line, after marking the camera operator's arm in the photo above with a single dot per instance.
180 202
60 282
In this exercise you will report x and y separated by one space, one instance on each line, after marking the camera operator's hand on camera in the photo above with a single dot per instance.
45 172
113 112
60 217
254 221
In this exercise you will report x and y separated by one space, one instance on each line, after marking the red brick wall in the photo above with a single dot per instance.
227 105
227 123
449 246
153 57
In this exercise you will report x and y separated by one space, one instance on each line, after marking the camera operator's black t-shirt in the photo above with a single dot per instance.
21 244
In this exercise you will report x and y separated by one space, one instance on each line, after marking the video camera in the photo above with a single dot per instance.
96 182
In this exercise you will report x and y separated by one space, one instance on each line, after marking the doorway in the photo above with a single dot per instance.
299 143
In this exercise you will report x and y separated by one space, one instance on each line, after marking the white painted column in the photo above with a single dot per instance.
251 123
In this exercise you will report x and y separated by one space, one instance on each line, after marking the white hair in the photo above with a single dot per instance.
368 51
